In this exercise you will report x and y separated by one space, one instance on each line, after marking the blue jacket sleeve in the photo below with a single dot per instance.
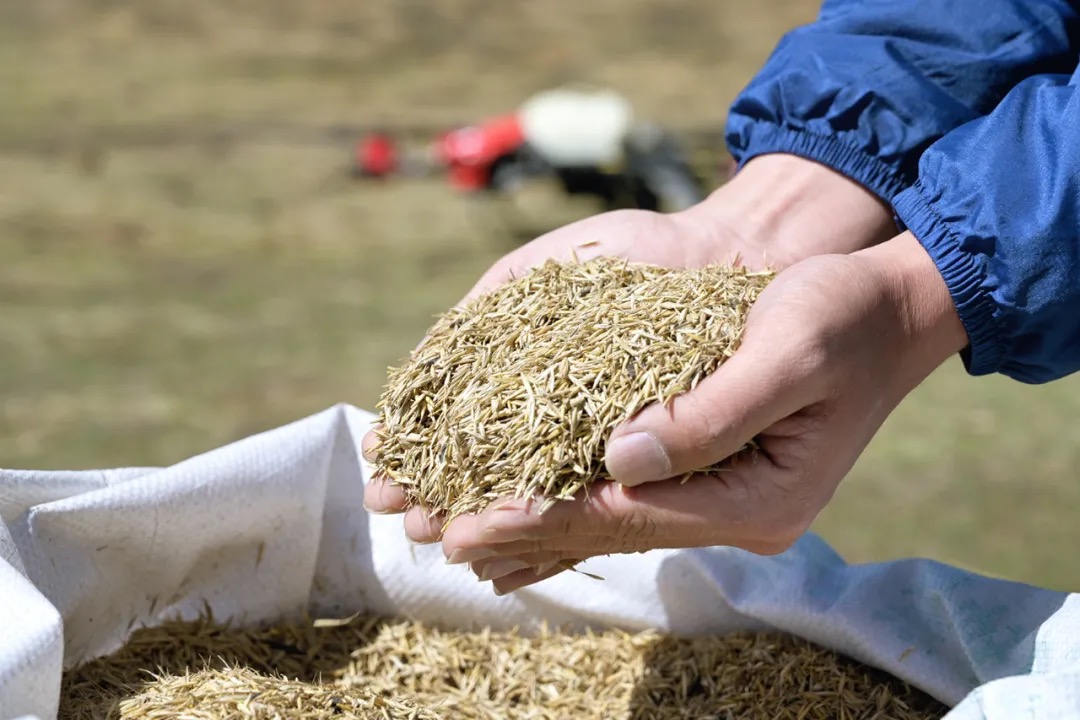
872 83
997 206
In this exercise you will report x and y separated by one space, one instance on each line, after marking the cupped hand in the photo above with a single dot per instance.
779 209
830 349
676 240
727 228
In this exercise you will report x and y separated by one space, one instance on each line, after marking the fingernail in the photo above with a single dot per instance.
501 568
467 555
637 458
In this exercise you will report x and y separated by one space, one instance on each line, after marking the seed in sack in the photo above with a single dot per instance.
515 393
398 669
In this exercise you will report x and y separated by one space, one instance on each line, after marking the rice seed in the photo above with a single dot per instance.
367 668
515 393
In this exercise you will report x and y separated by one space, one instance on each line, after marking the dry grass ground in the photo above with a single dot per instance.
183 264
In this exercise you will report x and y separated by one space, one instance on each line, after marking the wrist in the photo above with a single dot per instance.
784 208
929 321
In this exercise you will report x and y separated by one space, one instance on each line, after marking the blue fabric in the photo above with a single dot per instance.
963 114
997 206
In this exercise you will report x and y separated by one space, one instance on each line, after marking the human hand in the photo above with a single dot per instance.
778 209
830 349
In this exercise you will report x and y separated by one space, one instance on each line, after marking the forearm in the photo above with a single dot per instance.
785 208
997 207
927 316
870 85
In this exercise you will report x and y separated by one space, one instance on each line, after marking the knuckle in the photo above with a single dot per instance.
508 522
713 428
530 527
530 547
816 351
560 524
809 361
541 526
704 427
634 530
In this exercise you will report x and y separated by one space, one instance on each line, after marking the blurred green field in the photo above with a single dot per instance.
174 277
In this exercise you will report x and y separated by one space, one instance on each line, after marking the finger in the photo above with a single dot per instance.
367 445
380 495
383 496
606 520
748 507
585 545
474 537
495 568
757 387
522 578
421 526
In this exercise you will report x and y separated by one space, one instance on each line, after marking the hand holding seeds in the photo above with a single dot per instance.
777 210
467 466
831 346
675 241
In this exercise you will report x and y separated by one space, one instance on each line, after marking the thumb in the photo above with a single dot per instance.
756 388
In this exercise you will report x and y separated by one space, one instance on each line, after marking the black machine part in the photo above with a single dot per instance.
653 176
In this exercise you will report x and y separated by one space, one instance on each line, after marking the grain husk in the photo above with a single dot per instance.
515 393
396 668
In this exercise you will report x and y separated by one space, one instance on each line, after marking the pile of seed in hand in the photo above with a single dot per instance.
396 669
516 393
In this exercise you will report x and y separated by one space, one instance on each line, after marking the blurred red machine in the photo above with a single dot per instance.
589 142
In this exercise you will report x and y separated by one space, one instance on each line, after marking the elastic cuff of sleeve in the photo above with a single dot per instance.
963 272
867 170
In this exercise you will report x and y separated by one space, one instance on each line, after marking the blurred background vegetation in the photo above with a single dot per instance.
184 260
